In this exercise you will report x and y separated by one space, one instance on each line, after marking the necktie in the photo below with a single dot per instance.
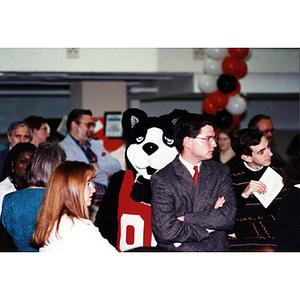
196 175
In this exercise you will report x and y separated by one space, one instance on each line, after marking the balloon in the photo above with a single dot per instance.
212 67
238 53
226 83
223 119
236 91
208 84
231 65
236 105
243 70
236 119
217 131
208 106
216 53
219 100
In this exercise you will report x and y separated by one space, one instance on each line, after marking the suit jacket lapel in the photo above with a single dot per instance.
184 177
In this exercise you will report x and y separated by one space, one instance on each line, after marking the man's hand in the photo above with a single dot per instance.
219 203
254 186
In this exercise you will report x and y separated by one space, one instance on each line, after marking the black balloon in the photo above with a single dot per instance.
226 83
223 119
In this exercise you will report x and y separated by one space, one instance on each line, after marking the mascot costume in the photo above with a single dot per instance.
124 214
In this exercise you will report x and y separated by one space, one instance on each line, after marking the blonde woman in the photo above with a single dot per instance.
63 223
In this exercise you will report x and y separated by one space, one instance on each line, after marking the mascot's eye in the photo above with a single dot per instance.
168 141
139 139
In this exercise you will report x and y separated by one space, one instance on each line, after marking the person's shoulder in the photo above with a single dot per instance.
65 141
215 166
4 153
165 171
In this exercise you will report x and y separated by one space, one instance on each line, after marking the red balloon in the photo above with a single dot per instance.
208 107
236 91
231 66
219 99
236 121
238 53
217 131
243 70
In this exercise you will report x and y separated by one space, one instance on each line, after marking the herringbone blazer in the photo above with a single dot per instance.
175 194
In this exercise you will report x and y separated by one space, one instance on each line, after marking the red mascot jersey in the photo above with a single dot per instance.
134 219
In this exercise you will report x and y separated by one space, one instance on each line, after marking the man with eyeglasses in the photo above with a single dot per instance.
264 124
192 214
40 129
80 146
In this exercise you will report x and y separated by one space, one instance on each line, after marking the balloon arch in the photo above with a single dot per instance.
223 68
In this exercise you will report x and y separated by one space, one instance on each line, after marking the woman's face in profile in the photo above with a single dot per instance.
21 163
88 192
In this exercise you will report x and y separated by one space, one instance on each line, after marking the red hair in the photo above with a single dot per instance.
64 194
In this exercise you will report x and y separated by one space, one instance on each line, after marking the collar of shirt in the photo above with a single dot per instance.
251 168
87 145
189 166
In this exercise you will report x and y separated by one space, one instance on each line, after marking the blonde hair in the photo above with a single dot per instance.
64 194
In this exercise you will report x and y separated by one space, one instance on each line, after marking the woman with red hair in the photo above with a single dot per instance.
63 223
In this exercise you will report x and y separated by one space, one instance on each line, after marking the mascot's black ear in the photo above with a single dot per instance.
176 113
131 117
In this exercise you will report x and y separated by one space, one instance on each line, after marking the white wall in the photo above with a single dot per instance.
136 60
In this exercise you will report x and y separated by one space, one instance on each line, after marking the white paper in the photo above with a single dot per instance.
274 184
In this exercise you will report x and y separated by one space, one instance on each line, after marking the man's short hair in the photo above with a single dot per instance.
75 115
13 126
189 125
253 122
243 139
35 122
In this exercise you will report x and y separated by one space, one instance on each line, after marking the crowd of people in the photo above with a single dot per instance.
204 200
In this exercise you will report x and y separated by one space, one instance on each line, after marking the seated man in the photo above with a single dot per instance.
80 146
255 226
193 201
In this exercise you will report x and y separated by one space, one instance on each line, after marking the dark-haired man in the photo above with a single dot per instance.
255 226
80 146
188 214
39 128
265 124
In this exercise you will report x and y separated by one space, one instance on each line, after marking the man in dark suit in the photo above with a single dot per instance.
193 215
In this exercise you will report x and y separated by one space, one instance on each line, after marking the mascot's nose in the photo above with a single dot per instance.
150 148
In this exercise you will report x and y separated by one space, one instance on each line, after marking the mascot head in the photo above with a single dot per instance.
150 141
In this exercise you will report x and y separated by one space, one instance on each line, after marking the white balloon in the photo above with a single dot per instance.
208 84
236 105
216 53
213 67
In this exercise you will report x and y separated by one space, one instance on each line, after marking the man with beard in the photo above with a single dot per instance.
79 145
265 124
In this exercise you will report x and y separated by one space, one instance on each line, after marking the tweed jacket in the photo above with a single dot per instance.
175 194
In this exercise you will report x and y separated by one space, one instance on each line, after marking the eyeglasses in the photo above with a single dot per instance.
44 128
208 139
89 124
